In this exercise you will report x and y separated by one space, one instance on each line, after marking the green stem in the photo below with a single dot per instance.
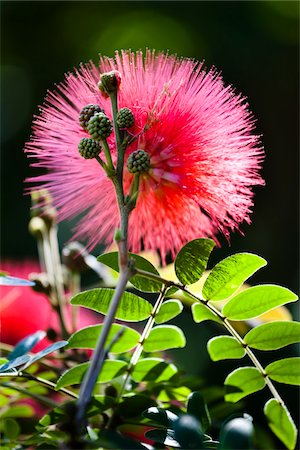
107 153
39 398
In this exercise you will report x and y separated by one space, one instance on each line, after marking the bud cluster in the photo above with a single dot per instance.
87 113
88 148
125 118
99 126
138 162
109 82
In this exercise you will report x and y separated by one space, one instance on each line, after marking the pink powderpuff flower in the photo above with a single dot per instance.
24 311
198 132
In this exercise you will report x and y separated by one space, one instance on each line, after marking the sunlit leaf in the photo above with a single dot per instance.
281 423
88 337
46 351
26 344
111 369
163 337
6 280
168 310
285 370
197 407
131 307
153 369
273 335
141 283
242 382
237 434
256 300
228 275
225 347
201 313
192 259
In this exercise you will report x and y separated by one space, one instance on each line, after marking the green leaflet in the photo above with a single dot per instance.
285 370
164 337
87 338
242 382
237 434
225 347
202 313
191 260
112 368
228 275
281 423
168 310
153 369
257 300
131 307
141 283
273 335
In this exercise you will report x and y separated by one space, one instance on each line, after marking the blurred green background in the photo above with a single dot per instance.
254 44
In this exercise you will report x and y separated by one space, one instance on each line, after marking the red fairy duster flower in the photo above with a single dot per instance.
198 133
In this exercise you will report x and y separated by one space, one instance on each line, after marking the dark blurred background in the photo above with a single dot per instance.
254 44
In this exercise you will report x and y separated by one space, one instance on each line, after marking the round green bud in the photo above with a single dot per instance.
99 126
87 113
109 82
88 148
138 162
125 118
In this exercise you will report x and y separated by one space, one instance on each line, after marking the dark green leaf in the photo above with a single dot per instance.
281 423
88 337
257 300
285 371
141 283
228 275
201 313
161 416
163 436
111 369
237 434
131 307
153 369
11 428
273 335
134 405
164 337
110 439
13 281
188 432
242 382
191 261
197 407
225 347
168 310
26 344
46 351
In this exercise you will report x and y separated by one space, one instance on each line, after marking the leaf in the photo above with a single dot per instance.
153 369
237 434
134 405
285 371
11 428
14 281
257 300
228 275
162 416
168 310
197 407
281 423
163 436
26 344
131 307
110 439
164 337
191 260
225 347
202 313
273 335
111 369
17 411
14 363
88 337
141 283
188 432
46 351
242 382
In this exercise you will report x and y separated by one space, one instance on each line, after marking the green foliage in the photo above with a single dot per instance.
188 432
133 405
228 275
153 369
192 259
273 335
201 313
285 370
87 338
17 411
168 310
257 300
225 347
46 351
10 428
237 434
197 407
131 307
163 337
141 283
281 423
161 416
242 382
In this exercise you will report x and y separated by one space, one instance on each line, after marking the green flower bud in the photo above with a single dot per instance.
138 162
88 148
99 126
109 82
87 113
125 118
